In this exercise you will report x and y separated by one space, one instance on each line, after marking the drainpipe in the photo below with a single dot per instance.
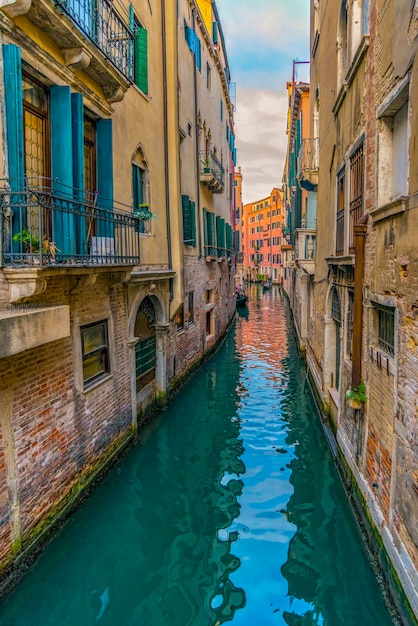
360 235
166 160
196 141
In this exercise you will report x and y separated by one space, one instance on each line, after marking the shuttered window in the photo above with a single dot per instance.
189 220
140 52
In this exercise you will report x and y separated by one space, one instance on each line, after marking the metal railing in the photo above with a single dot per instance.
210 164
218 253
308 157
105 27
45 223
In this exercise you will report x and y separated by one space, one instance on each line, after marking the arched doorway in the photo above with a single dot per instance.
145 348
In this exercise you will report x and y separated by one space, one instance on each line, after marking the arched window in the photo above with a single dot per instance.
141 200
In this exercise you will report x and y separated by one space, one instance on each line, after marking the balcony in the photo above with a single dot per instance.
211 172
46 224
213 253
308 164
92 36
305 249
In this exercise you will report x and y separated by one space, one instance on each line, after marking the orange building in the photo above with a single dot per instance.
263 237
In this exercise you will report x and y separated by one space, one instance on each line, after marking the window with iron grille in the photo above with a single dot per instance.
335 307
350 317
386 328
356 191
339 243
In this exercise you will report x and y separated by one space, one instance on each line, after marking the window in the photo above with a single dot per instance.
140 56
386 328
139 193
95 352
208 76
35 114
339 243
221 113
356 191
350 318
190 312
189 220
393 145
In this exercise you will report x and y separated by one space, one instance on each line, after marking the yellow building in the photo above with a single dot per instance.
112 283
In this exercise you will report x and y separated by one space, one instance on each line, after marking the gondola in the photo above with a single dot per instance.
241 299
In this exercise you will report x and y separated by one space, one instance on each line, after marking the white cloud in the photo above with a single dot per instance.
260 125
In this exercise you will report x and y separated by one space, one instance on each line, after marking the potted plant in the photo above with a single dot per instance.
33 244
28 240
206 165
356 397
143 212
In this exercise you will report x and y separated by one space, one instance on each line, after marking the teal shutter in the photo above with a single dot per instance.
141 59
220 234
77 120
104 159
185 202
192 207
12 66
198 53
12 61
62 168
205 229
215 32
211 233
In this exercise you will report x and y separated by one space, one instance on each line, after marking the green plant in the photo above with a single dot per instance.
143 212
32 243
358 394
28 239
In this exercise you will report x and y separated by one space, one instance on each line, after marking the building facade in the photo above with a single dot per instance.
109 288
263 239
361 322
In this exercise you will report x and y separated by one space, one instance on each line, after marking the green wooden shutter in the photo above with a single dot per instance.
186 219
104 160
198 52
192 213
141 59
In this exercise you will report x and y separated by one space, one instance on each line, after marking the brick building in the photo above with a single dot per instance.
111 285
362 308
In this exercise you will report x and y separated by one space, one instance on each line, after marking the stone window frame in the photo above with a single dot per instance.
385 114
105 350
377 353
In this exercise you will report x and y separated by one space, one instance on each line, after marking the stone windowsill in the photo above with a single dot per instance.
397 207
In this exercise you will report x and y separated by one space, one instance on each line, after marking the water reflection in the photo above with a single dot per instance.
229 511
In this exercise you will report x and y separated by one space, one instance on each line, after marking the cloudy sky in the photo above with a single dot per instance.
263 37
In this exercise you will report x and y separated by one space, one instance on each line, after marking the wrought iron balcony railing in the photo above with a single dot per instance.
212 172
44 223
217 253
100 22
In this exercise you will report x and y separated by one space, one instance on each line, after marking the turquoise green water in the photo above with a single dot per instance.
230 510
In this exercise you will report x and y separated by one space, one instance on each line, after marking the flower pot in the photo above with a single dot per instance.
355 404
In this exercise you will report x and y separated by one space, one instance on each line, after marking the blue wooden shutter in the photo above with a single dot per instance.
198 53
215 32
12 63
77 119
104 159
141 59
62 168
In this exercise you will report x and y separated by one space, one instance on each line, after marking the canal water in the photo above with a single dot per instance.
229 510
